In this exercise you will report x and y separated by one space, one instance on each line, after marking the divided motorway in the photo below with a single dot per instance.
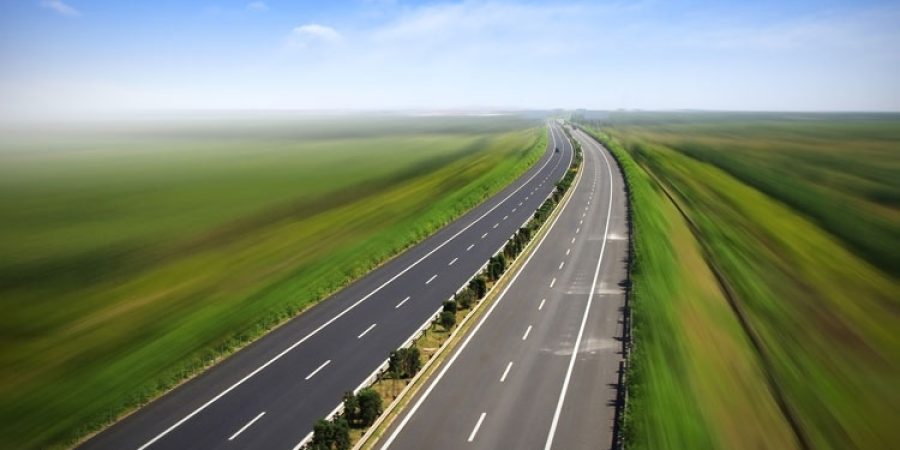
540 369
270 394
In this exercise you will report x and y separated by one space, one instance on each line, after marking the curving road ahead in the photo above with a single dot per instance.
540 369
269 394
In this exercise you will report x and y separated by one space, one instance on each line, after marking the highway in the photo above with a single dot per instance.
269 394
540 368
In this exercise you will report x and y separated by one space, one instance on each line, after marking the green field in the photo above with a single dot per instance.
798 215
135 253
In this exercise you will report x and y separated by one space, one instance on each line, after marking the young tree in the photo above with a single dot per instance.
450 306
448 319
369 406
351 408
478 286
330 435
404 363
465 298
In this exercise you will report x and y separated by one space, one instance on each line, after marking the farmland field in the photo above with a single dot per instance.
135 253
795 344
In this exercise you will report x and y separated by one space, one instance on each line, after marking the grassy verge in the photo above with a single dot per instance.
694 380
139 304
818 316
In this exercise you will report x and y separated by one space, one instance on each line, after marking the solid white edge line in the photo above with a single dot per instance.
477 426
314 372
346 310
587 309
401 303
527 330
465 343
246 426
366 331
506 372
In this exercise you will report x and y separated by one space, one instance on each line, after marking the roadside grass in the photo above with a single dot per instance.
842 172
130 265
823 316
694 379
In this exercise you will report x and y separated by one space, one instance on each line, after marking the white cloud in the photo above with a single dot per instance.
257 6
305 35
60 7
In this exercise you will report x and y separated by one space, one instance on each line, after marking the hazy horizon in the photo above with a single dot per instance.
75 58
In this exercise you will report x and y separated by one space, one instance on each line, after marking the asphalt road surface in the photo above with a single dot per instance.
270 394
540 369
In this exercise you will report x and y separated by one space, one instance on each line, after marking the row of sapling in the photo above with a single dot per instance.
362 409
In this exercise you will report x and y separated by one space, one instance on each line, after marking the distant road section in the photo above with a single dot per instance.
540 369
270 394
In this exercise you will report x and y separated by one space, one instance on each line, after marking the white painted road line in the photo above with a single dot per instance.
401 303
561 265
584 318
581 222
506 372
453 261
484 235
541 306
496 225
573 241
367 330
246 426
552 283
583 214
527 330
470 247
567 251
578 230
477 426
520 203
431 279
314 372
514 209
505 217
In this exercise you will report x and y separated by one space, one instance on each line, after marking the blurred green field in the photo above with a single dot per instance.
136 253
817 307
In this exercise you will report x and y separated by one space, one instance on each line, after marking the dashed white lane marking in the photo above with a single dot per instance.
573 240
477 426
552 282
314 372
514 209
506 372
527 330
578 230
583 214
496 224
366 331
484 235
401 303
453 261
431 279
526 198
520 203
541 306
567 251
470 247
561 265
581 222
246 426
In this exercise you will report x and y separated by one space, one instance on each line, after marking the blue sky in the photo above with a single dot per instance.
76 56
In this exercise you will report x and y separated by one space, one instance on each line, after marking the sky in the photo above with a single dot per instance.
89 56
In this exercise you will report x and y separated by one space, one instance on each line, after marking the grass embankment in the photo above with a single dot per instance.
822 317
134 258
